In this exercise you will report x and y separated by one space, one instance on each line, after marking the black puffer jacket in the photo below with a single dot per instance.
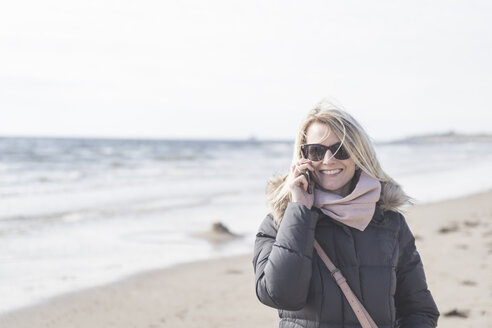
381 265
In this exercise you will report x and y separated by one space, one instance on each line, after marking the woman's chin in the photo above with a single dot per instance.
328 188
336 188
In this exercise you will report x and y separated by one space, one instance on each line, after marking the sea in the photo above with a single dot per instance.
80 213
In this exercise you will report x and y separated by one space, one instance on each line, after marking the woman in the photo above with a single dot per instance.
352 212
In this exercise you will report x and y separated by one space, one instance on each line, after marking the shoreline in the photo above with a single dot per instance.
453 236
145 299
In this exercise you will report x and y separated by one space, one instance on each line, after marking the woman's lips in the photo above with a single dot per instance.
331 173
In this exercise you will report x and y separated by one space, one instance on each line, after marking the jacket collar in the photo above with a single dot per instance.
378 217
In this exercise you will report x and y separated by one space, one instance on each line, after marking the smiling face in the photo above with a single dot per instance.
330 174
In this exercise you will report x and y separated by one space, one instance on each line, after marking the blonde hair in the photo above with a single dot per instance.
358 145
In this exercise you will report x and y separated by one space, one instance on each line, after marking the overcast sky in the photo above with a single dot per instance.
234 69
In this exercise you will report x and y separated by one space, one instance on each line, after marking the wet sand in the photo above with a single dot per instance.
454 238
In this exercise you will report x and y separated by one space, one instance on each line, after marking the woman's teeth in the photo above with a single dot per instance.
331 172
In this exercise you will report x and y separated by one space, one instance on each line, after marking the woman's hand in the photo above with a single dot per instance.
298 183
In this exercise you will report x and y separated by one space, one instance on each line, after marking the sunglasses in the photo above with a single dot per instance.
316 152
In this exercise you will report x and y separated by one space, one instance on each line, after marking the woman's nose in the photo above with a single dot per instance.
328 157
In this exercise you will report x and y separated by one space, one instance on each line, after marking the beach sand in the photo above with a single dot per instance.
454 238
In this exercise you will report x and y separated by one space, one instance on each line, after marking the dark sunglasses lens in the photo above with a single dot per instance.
315 152
341 153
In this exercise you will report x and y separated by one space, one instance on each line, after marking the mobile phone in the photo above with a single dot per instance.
307 174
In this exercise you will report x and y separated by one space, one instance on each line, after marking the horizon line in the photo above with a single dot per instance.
252 138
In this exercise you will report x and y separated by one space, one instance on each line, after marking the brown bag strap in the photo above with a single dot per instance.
359 310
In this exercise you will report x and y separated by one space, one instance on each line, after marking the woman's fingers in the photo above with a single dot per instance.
298 173
302 168
300 181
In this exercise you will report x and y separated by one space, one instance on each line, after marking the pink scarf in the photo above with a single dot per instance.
357 208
